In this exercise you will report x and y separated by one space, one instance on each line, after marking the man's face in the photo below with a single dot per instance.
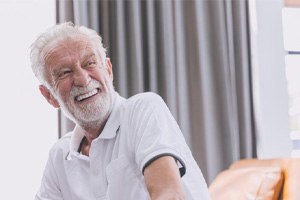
81 83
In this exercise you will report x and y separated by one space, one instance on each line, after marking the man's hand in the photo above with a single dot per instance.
163 179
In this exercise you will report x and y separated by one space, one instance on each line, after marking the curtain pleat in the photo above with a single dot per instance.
150 60
136 61
81 12
181 72
93 16
119 45
64 11
195 54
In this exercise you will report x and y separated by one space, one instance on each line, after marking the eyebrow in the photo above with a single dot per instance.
86 56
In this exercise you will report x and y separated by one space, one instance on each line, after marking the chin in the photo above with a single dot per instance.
88 114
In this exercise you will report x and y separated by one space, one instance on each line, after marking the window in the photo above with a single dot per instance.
291 35
270 96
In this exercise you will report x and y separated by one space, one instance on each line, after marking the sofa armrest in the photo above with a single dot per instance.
291 173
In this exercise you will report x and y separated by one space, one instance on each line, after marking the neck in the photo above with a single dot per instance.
94 129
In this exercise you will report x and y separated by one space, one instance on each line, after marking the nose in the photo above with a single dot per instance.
81 77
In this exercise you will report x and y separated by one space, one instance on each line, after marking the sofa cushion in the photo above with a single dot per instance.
257 183
289 167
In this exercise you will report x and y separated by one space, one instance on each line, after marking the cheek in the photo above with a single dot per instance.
63 89
99 78
97 74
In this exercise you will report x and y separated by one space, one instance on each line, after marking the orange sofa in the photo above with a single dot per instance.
254 179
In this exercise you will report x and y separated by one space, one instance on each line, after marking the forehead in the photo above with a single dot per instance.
68 50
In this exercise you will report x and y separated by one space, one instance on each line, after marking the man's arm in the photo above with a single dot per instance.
162 178
49 189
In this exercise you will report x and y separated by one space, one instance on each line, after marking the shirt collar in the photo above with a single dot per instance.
112 125
109 131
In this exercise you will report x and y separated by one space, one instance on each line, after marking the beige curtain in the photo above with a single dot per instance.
194 53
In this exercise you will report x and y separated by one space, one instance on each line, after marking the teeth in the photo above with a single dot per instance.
87 95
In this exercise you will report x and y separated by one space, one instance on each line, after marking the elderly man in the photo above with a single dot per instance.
120 149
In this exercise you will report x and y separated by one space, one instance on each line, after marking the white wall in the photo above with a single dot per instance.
270 89
28 123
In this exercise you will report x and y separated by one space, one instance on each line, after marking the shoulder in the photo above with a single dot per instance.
145 96
143 104
62 146
139 110
145 99
64 141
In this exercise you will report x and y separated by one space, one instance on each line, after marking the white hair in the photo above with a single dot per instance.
55 33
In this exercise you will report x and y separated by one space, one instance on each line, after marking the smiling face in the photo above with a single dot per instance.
81 84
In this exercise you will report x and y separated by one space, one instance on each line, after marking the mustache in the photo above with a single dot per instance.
93 84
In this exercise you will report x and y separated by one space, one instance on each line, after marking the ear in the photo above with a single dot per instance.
109 68
48 96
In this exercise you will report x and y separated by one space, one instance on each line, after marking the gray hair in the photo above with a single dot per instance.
55 33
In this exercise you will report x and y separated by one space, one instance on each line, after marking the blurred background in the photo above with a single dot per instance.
228 70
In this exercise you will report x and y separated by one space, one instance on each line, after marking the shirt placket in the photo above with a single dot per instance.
98 181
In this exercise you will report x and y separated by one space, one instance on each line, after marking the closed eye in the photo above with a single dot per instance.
91 63
64 74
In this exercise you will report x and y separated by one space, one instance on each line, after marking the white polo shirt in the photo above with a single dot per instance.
139 130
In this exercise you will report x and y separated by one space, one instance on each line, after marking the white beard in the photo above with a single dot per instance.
92 113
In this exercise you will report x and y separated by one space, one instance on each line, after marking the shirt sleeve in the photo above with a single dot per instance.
154 132
49 189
